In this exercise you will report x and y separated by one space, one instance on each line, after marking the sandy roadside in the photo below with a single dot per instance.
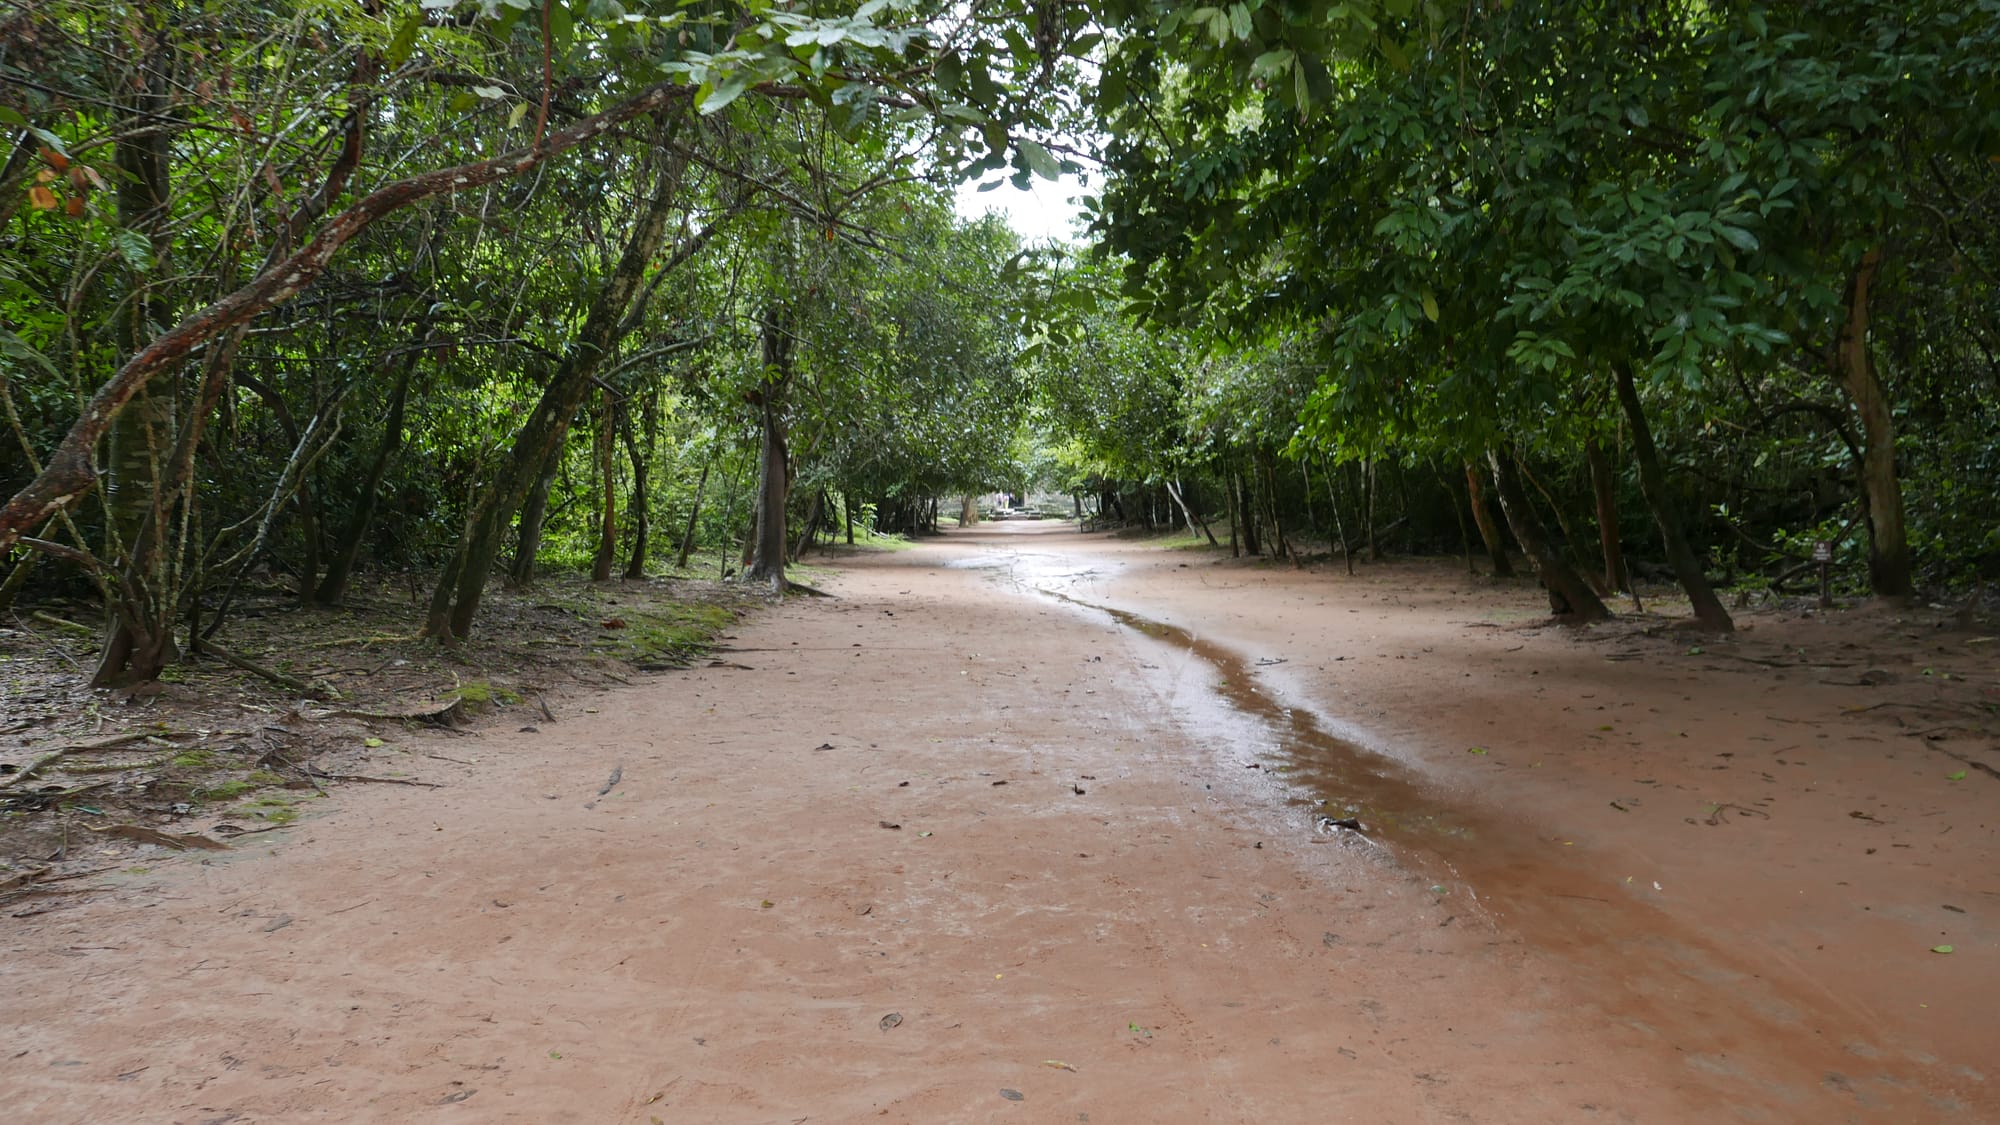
855 879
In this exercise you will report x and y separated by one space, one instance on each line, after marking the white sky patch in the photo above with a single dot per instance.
1044 211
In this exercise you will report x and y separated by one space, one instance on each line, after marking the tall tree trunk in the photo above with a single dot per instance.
1653 482
1457 517
968 511
767 561
455 602
847 513
1229 504
1888 541
1489 532
1246 514
135 461
333 587
606 456
1368 508
1570 597
1604 488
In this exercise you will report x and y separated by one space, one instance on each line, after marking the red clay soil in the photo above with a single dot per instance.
949 847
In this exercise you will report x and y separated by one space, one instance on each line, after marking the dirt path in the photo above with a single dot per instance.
953 849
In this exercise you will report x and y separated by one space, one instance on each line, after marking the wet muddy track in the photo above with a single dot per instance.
1645 968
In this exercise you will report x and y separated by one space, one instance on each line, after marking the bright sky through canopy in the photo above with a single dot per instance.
1044 211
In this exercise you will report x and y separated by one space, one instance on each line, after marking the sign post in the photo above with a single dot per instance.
1823 555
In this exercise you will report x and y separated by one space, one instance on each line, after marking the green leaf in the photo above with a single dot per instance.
1239 20
1430 306
1940 949
133 247
405 39
1959 776
1477 750
13 347
1738 237
1039 160
711 99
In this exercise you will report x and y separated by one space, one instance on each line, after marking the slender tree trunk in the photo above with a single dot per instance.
1888 541
641 456
333 587
968 511
1281 547
1368 509
1489 531
1604 488
1653 482
605 450
1339 526
1570 597
694 514
847 513
1246 508
1458 517
1229 494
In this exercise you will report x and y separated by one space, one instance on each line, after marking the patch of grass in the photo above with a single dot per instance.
479 695
671 633
194 760
277 810
222 790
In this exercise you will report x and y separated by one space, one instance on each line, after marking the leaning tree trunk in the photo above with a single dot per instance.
1604 488
1653 482
1888 540
1187 513
1570 597
534 516
1489 531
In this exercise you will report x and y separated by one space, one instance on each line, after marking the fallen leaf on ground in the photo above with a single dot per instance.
891 1020
1013 1095
1940 949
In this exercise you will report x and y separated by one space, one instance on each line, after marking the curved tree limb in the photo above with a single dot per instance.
70 472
